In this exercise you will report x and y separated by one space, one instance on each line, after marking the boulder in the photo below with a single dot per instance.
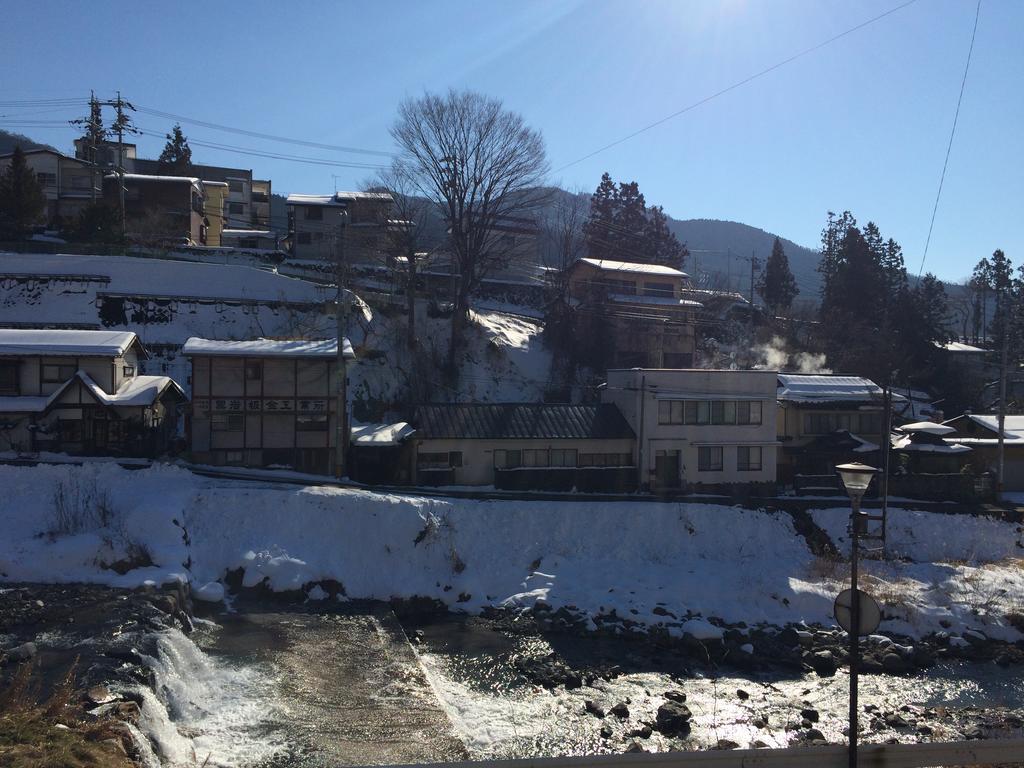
620 710
594 708
673 718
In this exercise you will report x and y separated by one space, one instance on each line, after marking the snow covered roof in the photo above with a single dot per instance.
19 341
380 435
927 427
1013 426
520 421
907 444
610 265
668 301
153 177
137 391
820 388
337 199
247 233
957 346
325 348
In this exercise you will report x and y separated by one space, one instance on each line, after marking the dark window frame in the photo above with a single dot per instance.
706 458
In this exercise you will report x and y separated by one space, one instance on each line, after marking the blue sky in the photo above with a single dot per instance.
860 124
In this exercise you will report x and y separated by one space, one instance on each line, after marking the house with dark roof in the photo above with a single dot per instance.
519 446
79 391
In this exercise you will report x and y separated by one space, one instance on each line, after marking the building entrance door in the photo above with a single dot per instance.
666 469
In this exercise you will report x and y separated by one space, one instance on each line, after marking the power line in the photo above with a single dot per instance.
952 133
258 135
738 84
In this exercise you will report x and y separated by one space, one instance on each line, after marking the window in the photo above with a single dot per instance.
436 460
303 238
507 459
723 412
535 457
455 458
748 412
70 431
748 458
9 379
313 423
659 289
709 458
670 411
57 374
227 422
605 460
236 208
128 371
46 179
563 457
235 187
253 371
698 412
80 182
314 214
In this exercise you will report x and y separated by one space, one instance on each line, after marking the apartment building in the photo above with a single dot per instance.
347 225
698 429
68 183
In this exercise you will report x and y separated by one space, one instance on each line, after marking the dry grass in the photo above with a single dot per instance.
54 732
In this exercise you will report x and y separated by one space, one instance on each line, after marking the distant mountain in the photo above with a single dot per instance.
720 255
8 141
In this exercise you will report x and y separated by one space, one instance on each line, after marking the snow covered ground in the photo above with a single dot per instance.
64 523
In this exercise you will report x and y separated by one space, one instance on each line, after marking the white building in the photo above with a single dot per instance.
698 429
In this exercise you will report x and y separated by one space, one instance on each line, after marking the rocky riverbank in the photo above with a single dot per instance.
71 667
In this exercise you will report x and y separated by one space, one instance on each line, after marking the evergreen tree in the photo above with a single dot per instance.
630 222
660 243
176 159
22 201
980 282
777 285
1001 282
597 231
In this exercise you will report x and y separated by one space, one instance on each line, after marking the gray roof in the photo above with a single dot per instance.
520 421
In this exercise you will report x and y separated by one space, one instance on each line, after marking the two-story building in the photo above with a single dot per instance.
523 446
980 433
265 402
69 184
80 392
825 420
698 429
349 225
649 323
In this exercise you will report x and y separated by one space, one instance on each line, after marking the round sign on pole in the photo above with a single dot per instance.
870 613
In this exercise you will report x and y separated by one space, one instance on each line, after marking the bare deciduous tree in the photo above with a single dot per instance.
479 164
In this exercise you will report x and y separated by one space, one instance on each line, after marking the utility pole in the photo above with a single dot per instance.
1003 365
341 388
750 314
122 124
93 129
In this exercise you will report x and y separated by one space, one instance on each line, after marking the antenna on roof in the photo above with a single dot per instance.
335 177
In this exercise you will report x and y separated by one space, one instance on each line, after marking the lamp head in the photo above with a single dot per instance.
856 477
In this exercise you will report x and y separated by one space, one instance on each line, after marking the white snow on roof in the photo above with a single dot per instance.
906 444
338 198
165 277
819 388
957 346
16 341
611 265
150 177
1013 427
327 348
138 391
380 435
668 301
247 233
927 427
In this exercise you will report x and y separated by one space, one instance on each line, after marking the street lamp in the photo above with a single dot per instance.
856 478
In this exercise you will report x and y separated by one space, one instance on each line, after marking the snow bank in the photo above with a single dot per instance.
645 561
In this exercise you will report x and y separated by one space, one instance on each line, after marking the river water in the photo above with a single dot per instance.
293 687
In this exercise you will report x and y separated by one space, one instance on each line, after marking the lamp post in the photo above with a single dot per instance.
856 478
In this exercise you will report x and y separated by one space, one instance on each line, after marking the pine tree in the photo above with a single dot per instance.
22 201
176 159
660 243
598 229
777 285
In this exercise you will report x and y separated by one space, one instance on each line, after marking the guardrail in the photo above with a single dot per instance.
990 752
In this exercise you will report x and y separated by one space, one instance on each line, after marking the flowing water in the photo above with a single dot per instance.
271 687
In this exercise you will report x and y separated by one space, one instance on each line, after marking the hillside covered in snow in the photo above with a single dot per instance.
655 563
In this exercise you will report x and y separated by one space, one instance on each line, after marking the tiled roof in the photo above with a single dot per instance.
520 421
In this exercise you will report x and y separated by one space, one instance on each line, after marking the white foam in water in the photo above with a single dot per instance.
204 712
